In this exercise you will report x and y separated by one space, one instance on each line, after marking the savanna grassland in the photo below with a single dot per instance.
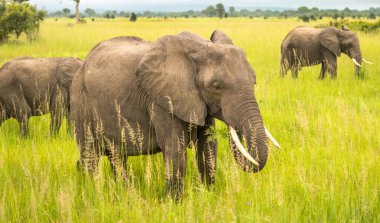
328 169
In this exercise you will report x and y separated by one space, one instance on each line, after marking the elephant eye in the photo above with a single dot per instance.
216 85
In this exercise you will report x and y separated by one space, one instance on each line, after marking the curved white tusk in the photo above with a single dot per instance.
240 147
367 61
270 137
356 62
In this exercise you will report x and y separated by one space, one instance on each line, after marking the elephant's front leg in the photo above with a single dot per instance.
175 159
173 138
322 74
331 63
207 152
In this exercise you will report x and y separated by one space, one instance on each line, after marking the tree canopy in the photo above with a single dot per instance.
17 17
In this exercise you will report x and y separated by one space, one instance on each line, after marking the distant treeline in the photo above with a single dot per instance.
303 12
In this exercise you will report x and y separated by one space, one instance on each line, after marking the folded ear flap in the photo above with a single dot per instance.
167 75
192 36
66 71
330 40
219 36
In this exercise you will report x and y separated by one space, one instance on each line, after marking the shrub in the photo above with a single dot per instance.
133 17
19 18
304 18
354 25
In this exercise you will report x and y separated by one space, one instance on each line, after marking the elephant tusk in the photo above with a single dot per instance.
240 147
270 137
356 62
367 61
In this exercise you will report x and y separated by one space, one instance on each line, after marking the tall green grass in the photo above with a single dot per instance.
327 171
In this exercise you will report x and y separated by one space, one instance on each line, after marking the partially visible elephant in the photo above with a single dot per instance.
133 97
32 87
306 46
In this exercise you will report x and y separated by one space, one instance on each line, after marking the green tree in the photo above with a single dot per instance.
133 17
18 18
210 11
303 10
66 11
220 10
372 16
232 11
4 30
90 12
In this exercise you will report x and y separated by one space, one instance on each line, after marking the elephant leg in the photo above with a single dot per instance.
175 159
284 67
57 109
206 153
173 137
19 109
330 61
332 69
295 70
3 114
118 162
69 124
322 74
3 118
89 149
24 127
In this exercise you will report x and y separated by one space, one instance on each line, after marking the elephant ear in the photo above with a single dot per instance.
192 36
167 74
66 71
219 36
330 40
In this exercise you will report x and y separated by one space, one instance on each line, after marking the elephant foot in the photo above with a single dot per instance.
175 191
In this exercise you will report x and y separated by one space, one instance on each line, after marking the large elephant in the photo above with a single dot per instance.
133 97
306 46
32 87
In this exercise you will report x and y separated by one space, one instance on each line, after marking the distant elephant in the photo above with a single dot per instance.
133 97
306 46
32 87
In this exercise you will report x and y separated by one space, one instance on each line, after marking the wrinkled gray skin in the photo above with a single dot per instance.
133 97
33 87
306 46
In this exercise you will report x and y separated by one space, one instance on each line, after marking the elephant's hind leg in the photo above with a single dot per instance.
206 153
19 109
284 67
118 162
3 114
58 106
89 148
295 70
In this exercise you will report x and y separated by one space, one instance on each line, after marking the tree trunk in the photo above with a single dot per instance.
77 10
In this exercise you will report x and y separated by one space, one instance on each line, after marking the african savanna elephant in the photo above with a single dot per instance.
306 46
32 87
133 97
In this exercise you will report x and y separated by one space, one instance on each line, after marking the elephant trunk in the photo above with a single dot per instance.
249 124
357 59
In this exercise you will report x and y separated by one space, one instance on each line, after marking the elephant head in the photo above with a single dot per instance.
194 78
343 41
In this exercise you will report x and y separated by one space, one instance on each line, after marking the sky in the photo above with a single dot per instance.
184 5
